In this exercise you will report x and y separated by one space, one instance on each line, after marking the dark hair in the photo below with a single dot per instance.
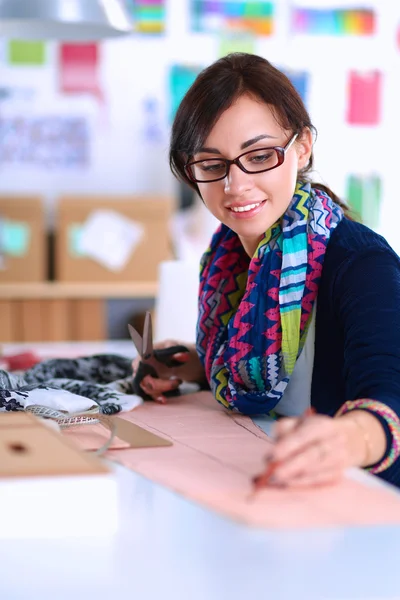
216 88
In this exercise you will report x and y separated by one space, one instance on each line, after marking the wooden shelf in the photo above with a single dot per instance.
49 290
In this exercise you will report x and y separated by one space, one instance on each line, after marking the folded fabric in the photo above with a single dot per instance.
72 385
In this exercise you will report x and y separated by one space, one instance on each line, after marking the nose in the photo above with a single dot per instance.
237 182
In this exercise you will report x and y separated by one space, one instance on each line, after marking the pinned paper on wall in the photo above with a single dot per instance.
16 94
181 78
2 254
50 141
333 21
107 237
148 16
14 237
236 43
364 196
26 53
79 69
74 240
152 129
216 16
300 80
364 98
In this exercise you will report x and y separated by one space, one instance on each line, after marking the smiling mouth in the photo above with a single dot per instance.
246 208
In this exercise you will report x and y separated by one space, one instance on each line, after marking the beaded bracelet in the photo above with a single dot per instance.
391 419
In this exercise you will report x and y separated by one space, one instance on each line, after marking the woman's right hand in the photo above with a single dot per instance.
190 370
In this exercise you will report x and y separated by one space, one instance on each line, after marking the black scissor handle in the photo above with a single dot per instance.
165 355
142 370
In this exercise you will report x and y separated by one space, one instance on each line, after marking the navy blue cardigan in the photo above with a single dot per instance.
357 335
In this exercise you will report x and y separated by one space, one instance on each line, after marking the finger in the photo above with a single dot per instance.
151 390
288 424
307 432
158 395
263 478
315 458
279 430
156 398
283 427
182 357
160 399
154 386
328 477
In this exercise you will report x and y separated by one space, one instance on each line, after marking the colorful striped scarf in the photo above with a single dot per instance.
254 314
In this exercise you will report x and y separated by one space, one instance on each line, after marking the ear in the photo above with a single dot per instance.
304 146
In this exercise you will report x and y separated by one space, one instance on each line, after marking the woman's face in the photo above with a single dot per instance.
250 203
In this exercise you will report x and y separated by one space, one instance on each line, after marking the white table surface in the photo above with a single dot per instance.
171 548
168 547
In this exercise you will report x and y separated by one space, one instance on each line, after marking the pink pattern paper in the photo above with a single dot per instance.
215 454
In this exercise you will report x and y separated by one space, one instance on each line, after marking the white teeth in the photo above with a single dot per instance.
244 208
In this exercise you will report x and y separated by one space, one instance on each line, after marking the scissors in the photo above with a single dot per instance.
164 356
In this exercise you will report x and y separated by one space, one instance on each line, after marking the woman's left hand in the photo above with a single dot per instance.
311 451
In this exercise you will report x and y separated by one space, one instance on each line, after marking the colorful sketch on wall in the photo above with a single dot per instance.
300 80
148 16
236 43
218 16
335 21
20 95
46 142
79 69
181 78
26 53
152 129
364 98
364 196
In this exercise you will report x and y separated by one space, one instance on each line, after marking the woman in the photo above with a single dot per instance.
299 304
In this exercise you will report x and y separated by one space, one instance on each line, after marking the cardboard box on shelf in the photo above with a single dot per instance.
112 239
8 322
23 256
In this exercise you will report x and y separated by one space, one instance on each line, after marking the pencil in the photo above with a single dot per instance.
260 481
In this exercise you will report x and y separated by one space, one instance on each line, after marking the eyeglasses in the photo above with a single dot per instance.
252 161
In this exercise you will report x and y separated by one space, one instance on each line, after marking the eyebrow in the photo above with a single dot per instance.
242 146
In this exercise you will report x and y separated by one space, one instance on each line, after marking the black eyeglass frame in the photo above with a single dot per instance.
280 150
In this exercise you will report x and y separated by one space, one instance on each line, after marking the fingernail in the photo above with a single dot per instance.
276 482
269 458
160 399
